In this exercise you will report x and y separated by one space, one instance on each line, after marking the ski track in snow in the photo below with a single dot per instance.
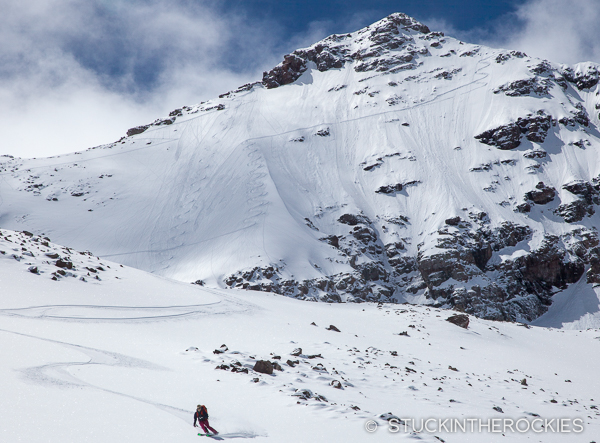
254 324
228 305
57 374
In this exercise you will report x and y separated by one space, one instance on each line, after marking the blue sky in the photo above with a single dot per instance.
295 15
78 73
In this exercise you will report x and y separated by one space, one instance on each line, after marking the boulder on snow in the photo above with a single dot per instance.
221 350
542 194
389 189
319 368
461 320
336 384
333 328
303 394
64 264
296 352
353 220
523 208
264 367
389 416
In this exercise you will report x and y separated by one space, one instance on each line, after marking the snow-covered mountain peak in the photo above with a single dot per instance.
389 164
386 43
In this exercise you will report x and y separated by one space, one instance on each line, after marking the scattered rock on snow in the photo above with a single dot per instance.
389 189
389 416
336 384
319 368
303 394
64 264
221 350
461 320
264 367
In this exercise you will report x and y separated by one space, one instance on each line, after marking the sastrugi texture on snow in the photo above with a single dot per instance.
388 164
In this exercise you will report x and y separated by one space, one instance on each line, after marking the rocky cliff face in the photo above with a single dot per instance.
388 164
384 38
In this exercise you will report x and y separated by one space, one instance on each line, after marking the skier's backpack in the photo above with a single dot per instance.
203 413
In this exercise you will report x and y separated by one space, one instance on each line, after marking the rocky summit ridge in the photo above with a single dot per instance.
389 164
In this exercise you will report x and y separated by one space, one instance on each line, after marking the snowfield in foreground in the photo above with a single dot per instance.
128 355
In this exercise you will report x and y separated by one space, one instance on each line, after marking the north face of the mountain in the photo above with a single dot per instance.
388 164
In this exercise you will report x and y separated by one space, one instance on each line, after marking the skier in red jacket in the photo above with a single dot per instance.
202 416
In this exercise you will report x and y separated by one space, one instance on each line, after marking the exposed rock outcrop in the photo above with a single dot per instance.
588 194
458 276
137 130
389 34
584 76
541 195
534 127
528 86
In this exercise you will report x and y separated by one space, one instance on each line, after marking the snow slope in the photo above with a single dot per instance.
127 358
379 126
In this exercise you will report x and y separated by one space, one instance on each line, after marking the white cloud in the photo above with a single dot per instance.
558 30
78 73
